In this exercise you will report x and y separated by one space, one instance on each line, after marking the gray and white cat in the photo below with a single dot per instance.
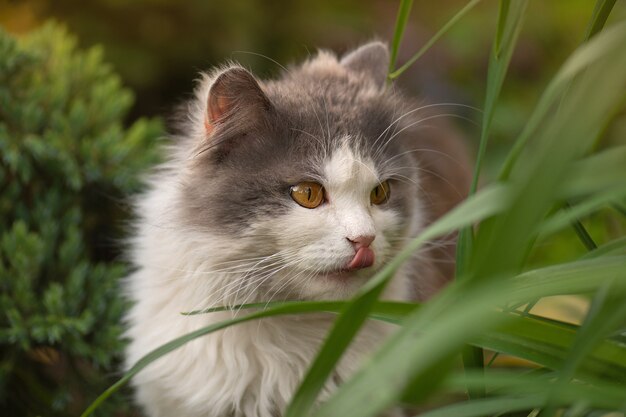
298 188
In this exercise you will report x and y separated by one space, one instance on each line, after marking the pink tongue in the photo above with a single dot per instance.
363 258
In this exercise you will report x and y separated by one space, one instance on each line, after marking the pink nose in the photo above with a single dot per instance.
364 256
362 241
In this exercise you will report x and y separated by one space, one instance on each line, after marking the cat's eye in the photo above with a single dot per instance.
380 193
307 194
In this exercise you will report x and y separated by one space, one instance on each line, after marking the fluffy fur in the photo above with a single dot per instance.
218 227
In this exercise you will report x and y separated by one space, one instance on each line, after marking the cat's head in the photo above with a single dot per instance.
312 174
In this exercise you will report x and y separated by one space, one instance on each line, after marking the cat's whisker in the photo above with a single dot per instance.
319 140
241 266
404 178
391 174
421 150
190 273
264 278
424 107
234 287
384 144
245 282
321 126
287 282
454 187
264 56
327 118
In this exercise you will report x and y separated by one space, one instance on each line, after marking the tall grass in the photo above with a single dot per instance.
550 179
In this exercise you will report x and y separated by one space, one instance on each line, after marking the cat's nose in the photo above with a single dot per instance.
363 256
361 241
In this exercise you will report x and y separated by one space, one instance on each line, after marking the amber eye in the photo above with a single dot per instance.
307 194
380 193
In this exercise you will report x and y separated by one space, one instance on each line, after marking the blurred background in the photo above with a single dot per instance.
158 47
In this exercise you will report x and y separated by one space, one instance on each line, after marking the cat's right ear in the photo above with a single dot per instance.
235 96
371 59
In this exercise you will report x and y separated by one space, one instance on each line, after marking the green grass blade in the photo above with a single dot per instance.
600 14
508 387
595 173
474 359
610 248
487 407
404 11
578 277
503 382
392 311
582 233
509 26
414 350
547 343
508 29
585 55
564 137
607 312
469 6
462 312
565 217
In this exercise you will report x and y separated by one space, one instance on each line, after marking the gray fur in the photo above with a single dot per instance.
245 169
371 59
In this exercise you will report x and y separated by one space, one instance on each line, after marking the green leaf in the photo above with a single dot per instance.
565 137
565 217
461 312
598 172
601 13
404 12
469 6
547 343
617 245
509 26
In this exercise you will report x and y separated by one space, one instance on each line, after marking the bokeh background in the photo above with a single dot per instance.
158 47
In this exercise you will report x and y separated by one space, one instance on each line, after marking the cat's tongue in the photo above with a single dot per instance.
363 258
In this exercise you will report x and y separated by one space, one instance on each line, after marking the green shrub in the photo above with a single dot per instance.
66 161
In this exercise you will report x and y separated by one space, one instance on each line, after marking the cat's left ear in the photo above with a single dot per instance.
235 98
371 59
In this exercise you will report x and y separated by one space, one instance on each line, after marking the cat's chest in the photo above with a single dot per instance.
254 366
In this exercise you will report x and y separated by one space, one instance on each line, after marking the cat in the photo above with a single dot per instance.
297 188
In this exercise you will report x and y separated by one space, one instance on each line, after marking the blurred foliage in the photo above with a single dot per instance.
159 46
66 162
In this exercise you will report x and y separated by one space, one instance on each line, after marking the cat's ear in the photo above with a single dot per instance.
235 95
371 59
